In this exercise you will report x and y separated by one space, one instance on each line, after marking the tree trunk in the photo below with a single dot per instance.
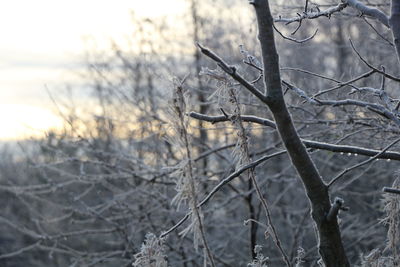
330 243
394 22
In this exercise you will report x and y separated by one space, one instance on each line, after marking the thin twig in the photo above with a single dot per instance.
293 39
313 15
372 67
335 179
311 73
308 143
377 32
341 84
21 250
231 71
244 147
179 108
221 184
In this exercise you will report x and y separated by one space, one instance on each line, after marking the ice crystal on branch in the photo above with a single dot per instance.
151 253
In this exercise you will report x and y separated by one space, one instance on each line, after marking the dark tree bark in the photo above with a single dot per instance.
394 22
330 243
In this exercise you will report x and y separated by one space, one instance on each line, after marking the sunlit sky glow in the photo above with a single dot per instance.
42 43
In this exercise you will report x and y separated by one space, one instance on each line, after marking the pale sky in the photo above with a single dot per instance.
42 44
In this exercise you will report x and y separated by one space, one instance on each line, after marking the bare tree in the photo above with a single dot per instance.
324 213
127 170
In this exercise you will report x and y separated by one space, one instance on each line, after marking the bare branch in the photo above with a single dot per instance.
372 67
377 32
379 109
391 190
21 250
295 40
311 73
173 228
333 212
330 243
231 71
394 22
247 118
392 155
225 181
372 12
342 84
313 15
300 92
335 179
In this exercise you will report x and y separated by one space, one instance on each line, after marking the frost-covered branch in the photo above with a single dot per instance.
222 183
372 12
394 22
231 71
392 155
312 15
337 177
